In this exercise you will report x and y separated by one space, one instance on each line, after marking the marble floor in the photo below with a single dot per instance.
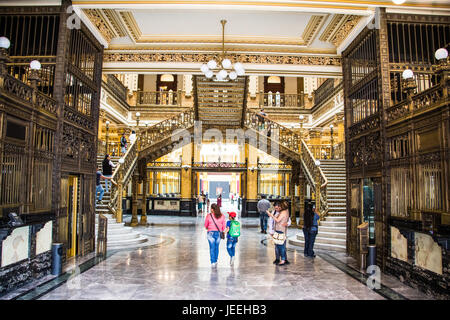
176 266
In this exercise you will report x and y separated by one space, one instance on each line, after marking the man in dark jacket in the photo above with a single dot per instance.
123 143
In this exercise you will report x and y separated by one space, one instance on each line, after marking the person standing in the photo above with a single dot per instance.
200 203
219 200
263 205
123 143
310 230
281 222
132 137
233 232
107 167
215 226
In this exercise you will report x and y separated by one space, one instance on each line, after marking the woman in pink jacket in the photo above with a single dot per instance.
215 224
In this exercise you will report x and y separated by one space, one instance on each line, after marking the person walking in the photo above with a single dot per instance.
107 167
200 203
280 234
310 230
215 226
123 144
99 189
132 137
233 231
219 200
261 122
263 205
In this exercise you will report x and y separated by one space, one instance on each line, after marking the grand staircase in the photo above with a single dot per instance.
222 105
119 236
332 230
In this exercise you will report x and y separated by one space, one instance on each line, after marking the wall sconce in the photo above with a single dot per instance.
138 114
252 169
186 167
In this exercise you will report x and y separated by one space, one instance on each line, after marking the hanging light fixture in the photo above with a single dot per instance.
227 69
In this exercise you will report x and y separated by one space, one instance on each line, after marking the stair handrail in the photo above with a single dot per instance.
315 175
287 138
160 130
122 174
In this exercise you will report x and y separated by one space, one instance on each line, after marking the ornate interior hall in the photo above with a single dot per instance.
124 124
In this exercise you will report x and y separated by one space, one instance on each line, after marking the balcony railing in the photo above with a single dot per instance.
159 98
276 99
323 151
116 86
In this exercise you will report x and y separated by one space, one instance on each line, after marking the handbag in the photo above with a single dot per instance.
222 234
279 238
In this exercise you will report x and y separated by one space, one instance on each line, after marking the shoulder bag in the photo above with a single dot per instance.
222 234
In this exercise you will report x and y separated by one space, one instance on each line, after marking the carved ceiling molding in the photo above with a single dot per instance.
114 19
344 30
203 58
131 25
332 27
314 25
101 23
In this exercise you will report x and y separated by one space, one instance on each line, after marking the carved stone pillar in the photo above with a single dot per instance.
134 190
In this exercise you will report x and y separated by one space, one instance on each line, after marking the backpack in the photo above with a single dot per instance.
235 229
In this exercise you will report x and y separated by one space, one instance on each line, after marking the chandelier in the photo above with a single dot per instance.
223 70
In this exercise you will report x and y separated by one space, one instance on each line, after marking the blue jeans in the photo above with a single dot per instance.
310 238
263 217
98 189
231 246
107 182
214 240
280 250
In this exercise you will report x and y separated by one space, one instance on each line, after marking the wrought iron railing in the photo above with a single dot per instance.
18 89
315 176
117 86
419 102
225 165
290 140
159 98
166 128
164 164
277 99
323 92
122 175
284 136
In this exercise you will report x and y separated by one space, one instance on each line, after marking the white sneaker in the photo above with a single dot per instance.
214 265
232 261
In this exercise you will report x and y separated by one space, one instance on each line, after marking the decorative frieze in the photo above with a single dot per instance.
204 58
345 30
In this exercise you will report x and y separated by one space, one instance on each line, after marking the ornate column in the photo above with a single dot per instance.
143 221
119 212
302 193
292 195
186 180
134 190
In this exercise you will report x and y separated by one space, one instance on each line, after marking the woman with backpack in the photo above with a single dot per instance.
215 224
233 231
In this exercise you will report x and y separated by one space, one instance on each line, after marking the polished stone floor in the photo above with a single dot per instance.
177 266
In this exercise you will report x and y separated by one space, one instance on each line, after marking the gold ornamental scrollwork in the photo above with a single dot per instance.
203 58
